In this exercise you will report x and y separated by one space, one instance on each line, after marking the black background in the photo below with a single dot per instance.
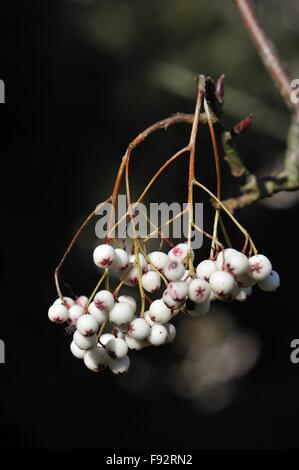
70 111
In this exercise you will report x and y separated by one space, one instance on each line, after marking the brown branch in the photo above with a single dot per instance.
275 66
251 187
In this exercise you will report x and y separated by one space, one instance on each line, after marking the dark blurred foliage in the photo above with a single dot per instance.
82 79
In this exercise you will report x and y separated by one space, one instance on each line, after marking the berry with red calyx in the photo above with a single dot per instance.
178 290
199 291
174 271
58 313
67 302
158 259
134 343
205 269
100 315
223 254
104 256
139 329
122 260
84 342
75 312
236 263
171 332
87 325
179 253
121 313
116 348
271 283
260 267
82 300
243 294
119 366
159 312
222 283
104 300
151 281
170 303
95 359
230 296
77 352
129 300
158 335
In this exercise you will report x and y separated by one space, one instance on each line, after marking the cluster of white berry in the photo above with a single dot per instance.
230 276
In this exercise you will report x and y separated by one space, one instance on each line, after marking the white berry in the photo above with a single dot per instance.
95 359
116 348
77 352
82 300
158 259
151 281
174 271
259 267
129 300
58 313
159 312
121 260
224 253
205 269
222 283
170 302
179 252
119 366
100 315
68 302
236 263
84 342
199 291
103 256
178 290
75 312
271 283
121 313
87 325
139 329
158 335
104 300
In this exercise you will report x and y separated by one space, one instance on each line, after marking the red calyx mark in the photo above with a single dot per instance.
200 292
58 320
256 267
89 332
229 268
99 304
177 251
173 265
106 262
